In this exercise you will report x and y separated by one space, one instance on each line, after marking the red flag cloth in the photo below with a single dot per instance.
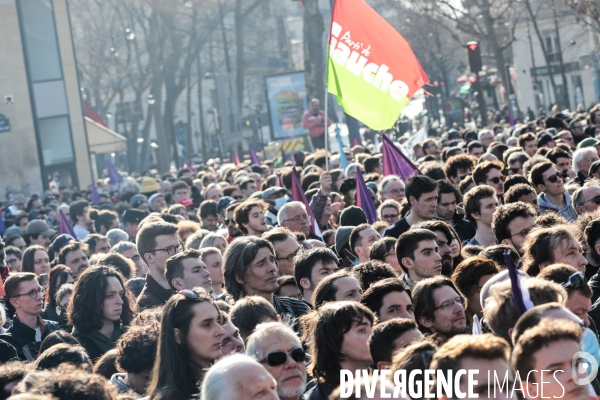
371 68
234 158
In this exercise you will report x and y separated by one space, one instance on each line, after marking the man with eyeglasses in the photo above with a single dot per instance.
279 350
587 198
392 188
293 216
511 223
286 248
439 308
28 330
156 243
551 188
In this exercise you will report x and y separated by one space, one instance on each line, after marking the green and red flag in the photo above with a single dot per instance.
370 68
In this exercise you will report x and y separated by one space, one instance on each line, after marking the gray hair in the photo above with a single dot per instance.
209 240
580 154
122 246
352 168
484 132
116 236
218 381
129 186
283 211
195 239
264 331
390 178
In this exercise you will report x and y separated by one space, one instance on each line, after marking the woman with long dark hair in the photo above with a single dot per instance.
36 260
59 275
338 334
101 307
189 342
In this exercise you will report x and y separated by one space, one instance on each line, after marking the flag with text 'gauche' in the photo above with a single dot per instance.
371 68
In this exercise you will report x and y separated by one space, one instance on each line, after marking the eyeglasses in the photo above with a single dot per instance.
390 254
449 303
298 218
524 232
290 258
33 293
395 191
228 221
495 180
389 216
576 279
595 200
279 357
238 197
554 178
171 250
515 170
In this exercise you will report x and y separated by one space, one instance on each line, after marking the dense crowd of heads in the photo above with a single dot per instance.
224 283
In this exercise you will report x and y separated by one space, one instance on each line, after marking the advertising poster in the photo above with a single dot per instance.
286 95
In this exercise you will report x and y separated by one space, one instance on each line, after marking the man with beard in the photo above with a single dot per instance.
444 238
512 223
439 308
279 350
447 210
250 217
418 255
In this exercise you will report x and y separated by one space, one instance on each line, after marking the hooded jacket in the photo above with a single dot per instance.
568 211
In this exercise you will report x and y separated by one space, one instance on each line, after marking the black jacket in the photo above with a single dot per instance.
22 338
153 295
320 391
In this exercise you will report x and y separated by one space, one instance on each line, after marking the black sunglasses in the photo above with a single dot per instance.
595 200
554 178
576 279
497 179
515 170
279 357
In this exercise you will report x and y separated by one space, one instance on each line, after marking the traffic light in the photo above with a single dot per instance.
474 56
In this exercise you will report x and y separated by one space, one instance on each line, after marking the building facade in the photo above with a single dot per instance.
43 141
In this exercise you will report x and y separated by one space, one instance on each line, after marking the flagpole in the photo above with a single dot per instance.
326 132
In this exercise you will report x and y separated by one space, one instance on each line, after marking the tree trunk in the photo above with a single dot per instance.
240 63
314 63
146 137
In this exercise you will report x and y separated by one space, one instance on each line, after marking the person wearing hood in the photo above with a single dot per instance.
275 198
552 196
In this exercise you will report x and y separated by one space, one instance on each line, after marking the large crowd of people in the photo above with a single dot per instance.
219 283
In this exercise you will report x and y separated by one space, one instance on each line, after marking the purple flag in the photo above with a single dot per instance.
395 162
279 181
188 166
363 198
65 226
95 199
521 297
254 160
298 195
114 176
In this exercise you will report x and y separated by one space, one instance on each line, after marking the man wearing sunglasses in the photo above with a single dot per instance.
548 182
490 173
579 301
587 198
279 350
